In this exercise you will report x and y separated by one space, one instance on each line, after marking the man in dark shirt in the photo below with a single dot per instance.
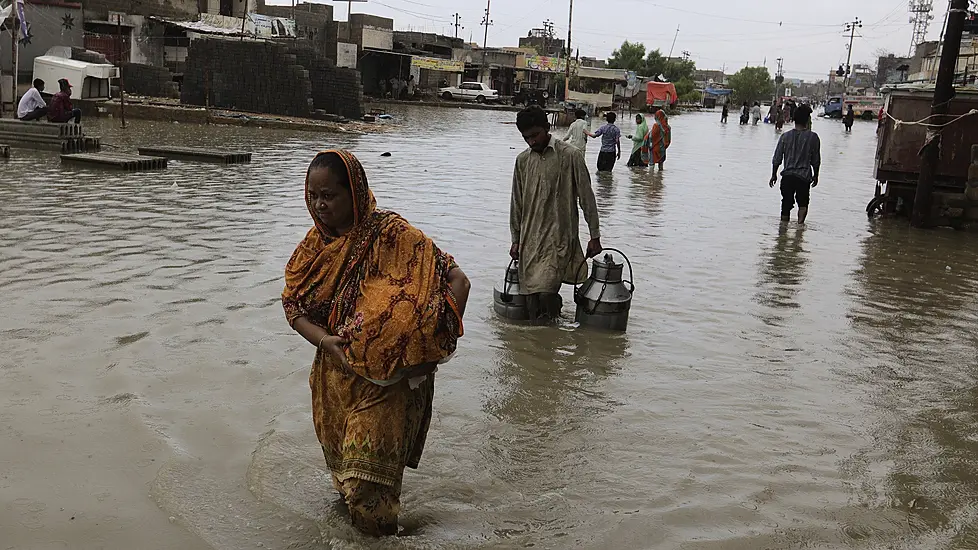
800 150
61 110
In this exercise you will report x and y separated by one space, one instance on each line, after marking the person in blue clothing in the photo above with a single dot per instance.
610 143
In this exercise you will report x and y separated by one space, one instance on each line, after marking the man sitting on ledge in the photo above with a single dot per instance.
61 110
32 106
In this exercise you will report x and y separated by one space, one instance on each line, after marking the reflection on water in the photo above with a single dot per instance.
783 270
779 386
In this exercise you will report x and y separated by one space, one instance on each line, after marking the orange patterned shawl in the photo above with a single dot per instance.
384 286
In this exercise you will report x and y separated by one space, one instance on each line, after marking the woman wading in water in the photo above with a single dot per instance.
383 306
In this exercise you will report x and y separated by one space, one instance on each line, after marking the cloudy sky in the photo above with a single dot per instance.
809 35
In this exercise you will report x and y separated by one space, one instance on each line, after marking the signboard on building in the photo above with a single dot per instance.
436 64
381 39
346 55
266 26
546 64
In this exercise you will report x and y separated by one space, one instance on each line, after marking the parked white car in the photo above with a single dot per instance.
470 91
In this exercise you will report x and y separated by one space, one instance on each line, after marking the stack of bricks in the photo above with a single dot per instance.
149 80
335 90
269 77
260 77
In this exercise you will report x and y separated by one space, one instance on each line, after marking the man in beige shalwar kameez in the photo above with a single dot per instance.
550 179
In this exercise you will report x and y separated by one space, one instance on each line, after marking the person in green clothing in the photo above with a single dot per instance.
638 138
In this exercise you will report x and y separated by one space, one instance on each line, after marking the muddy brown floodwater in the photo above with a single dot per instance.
777 388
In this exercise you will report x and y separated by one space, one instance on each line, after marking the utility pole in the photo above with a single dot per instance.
122 76
943 93
485 48
673 43
548 35
567 69
457 25
779 81
851 28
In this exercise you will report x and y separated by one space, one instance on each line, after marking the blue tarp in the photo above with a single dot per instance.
718 91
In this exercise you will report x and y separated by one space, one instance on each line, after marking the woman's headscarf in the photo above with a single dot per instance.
658 139
643 127
383 286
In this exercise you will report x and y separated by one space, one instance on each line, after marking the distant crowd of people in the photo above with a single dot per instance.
398 88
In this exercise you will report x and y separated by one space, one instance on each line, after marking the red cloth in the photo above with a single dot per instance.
60 108
663 92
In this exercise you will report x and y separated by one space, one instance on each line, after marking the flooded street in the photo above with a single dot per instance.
778 387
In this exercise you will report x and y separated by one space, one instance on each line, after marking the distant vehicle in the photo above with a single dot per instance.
864 106
530 95
470 91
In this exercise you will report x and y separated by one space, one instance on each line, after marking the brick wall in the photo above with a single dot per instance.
335 90
148 80
268 77
185 10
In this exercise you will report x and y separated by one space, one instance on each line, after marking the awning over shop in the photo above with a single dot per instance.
198 26
438 64
616 75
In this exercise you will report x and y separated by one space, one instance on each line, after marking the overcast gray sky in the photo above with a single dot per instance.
808 35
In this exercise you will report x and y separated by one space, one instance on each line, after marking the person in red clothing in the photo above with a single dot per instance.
61 109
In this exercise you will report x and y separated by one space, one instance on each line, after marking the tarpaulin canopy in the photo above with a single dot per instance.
661 94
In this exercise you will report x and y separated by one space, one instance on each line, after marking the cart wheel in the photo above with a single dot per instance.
875 207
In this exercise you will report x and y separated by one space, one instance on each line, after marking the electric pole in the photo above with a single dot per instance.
457 25
548 35
779 81
943 93
485 41
567 69
851 29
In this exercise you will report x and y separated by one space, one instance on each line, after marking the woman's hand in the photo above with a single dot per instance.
460 287
332 345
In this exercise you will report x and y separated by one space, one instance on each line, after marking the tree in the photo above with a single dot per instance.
752 84
630 56
687 92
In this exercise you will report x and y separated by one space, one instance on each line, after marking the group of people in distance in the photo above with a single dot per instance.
33 107
649 144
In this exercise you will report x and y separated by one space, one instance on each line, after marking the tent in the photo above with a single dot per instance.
661 94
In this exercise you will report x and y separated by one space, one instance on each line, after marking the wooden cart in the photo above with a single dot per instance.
897 154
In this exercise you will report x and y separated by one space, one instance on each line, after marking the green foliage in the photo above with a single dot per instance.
687 92
630 56
752 84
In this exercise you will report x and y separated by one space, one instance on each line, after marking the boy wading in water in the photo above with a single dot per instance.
799 149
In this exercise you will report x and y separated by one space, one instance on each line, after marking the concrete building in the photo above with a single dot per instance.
312 21
543 42
892 70
435 59
702 77
50 23
593 62
500 67
927 58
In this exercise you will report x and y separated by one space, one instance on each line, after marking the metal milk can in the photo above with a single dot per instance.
603 301
506 299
